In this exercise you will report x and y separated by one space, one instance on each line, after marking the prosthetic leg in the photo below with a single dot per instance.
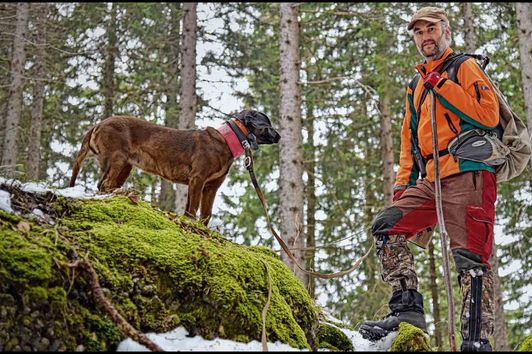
477 315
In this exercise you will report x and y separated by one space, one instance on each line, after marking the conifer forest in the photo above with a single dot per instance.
332 79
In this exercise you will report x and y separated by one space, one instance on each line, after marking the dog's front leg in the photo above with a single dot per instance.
195 188
207 199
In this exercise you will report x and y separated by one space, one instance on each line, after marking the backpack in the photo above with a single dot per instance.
507 147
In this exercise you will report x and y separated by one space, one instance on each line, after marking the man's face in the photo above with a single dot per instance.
430 40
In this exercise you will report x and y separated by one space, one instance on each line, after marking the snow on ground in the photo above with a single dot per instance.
78 191
5 201
178 339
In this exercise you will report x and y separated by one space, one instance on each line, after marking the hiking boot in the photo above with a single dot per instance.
375 330
406 306
472 346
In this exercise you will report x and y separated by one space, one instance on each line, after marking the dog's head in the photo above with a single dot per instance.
259 126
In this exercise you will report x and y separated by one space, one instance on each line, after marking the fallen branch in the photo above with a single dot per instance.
124 326
265 309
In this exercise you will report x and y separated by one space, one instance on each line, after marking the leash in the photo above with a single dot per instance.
441 224
249 167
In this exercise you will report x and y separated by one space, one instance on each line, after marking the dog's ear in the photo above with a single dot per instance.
253 118
243 116
264 118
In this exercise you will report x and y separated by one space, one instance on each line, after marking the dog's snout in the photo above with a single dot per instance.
275 136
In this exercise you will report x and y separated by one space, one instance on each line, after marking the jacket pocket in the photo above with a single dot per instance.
479 228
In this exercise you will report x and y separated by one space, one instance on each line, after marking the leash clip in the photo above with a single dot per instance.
245 144
247 161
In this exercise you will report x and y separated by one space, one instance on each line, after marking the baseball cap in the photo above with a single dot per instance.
430 14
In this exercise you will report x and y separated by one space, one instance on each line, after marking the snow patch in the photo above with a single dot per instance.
178 340
5 201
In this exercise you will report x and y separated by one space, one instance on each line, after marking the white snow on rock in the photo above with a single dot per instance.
76 192
5 201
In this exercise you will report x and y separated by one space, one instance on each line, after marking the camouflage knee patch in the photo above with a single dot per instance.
487 308
397 262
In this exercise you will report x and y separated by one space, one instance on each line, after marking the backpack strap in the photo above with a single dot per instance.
413 83
450 65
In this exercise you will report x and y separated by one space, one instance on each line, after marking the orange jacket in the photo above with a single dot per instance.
470 104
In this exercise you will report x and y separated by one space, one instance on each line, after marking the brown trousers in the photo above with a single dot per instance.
468 201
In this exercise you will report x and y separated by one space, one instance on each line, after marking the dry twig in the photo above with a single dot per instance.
124 326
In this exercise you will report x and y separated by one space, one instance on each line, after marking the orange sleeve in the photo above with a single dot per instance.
474 99
408 172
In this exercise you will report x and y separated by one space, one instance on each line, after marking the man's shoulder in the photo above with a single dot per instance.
469 71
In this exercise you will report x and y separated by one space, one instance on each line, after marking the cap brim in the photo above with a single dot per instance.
428 19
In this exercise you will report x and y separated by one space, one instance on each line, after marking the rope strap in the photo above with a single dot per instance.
249 167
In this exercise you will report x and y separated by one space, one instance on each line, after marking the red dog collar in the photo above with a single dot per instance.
231 140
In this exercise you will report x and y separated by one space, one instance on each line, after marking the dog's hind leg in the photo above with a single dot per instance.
123 175
116 172
105 170
195 188
207 199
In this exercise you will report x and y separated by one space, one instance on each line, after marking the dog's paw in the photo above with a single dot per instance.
134 197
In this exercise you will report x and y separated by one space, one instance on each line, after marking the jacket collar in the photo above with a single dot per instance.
425 68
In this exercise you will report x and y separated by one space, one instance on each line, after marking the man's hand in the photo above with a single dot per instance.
432 79
397 194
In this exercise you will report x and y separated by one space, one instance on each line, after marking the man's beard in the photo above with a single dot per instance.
438 50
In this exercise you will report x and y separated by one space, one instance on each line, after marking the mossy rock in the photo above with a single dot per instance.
526 346
410 339
331 337
158 270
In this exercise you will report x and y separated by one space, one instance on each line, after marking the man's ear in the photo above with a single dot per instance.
448 32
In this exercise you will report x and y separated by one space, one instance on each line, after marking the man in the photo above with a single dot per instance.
468 189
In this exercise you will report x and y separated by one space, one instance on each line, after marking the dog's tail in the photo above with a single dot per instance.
83 151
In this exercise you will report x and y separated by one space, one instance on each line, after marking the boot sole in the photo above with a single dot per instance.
374 334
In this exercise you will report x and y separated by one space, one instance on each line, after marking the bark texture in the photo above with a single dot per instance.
291 151
34 146
524 25
9 154
187 95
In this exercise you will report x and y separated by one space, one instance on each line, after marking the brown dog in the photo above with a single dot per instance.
199 158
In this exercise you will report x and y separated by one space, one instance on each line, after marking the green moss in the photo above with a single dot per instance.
8 217
527 345
159 273
101 334
58 296
22 262
36 294
330 337
410 339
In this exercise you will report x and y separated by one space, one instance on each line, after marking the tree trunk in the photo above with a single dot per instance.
167 198
110 58
500 320
435 298
5 52
9 154
310 196
470 37
187 95
387 148
524 24
34 147
499 333
291 153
